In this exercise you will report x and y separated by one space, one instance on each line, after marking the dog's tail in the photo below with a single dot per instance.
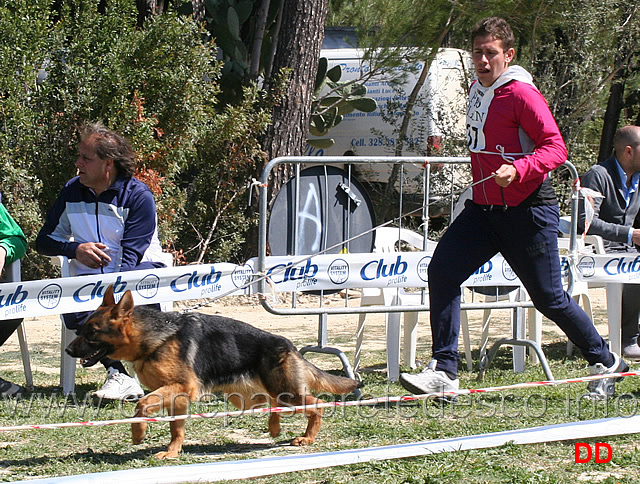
322 381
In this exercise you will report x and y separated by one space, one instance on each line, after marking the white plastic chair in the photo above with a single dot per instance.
614 300
13 274
68 363
581 289
385 241
534 327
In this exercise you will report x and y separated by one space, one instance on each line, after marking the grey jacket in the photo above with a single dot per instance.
612 217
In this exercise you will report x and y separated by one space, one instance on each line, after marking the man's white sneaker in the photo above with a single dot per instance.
119 387
430 380
605 387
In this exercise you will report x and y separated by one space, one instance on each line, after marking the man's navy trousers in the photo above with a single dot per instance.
527 237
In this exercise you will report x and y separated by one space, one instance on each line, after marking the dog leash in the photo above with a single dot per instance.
265 277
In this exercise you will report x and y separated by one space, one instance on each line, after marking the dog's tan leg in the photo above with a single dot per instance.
147 406
176 402
314 416
274 424
138 431
179 406
177 438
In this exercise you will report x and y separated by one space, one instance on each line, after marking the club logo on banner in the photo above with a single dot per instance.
84 293
614 267
380 270
423 268
148 286
587 266
241 275
338 271
508 273
283 273
49 296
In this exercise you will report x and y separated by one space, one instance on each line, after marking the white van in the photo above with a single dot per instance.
439 114
445 89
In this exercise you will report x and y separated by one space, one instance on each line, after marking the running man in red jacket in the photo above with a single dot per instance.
513 136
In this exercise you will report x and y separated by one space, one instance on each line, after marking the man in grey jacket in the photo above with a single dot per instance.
616 218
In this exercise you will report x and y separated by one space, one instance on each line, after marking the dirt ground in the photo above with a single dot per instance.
303 329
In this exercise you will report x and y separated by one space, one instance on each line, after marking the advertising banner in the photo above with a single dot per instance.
619 267
282 274
84 293
379 270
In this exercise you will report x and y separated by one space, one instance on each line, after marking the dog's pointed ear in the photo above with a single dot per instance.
108 299
125 306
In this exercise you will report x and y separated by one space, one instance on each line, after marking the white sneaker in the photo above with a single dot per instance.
119 387
429 380
605 387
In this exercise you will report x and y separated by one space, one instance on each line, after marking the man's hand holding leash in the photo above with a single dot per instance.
505 175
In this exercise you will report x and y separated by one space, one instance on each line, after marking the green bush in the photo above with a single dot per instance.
156 85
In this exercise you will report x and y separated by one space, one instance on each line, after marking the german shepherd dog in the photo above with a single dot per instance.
179 357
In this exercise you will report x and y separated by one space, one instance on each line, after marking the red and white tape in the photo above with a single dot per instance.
289 409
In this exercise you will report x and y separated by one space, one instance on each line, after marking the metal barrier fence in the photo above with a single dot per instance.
297 202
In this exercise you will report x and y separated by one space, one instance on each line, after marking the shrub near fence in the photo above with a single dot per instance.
157 86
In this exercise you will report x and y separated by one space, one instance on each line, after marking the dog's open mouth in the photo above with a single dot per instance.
90 359
87 351
93 358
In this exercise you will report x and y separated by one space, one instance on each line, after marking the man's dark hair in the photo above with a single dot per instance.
496 27
111 146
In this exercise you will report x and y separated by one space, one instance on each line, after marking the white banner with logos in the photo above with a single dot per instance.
622 267
283 274
84 293
387 269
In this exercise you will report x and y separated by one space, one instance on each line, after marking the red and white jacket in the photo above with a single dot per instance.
510 121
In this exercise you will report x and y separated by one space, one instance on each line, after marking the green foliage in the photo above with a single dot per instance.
393 35
333 99
242 31
156 85
218 191
573 52
574 49
24 31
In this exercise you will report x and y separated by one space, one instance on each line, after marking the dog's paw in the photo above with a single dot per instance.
300 441
166 455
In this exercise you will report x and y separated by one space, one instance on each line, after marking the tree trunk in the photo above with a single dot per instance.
146 8
622 71
611 116
299 44
298 48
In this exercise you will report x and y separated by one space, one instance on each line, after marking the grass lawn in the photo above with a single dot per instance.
32 454
50 453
